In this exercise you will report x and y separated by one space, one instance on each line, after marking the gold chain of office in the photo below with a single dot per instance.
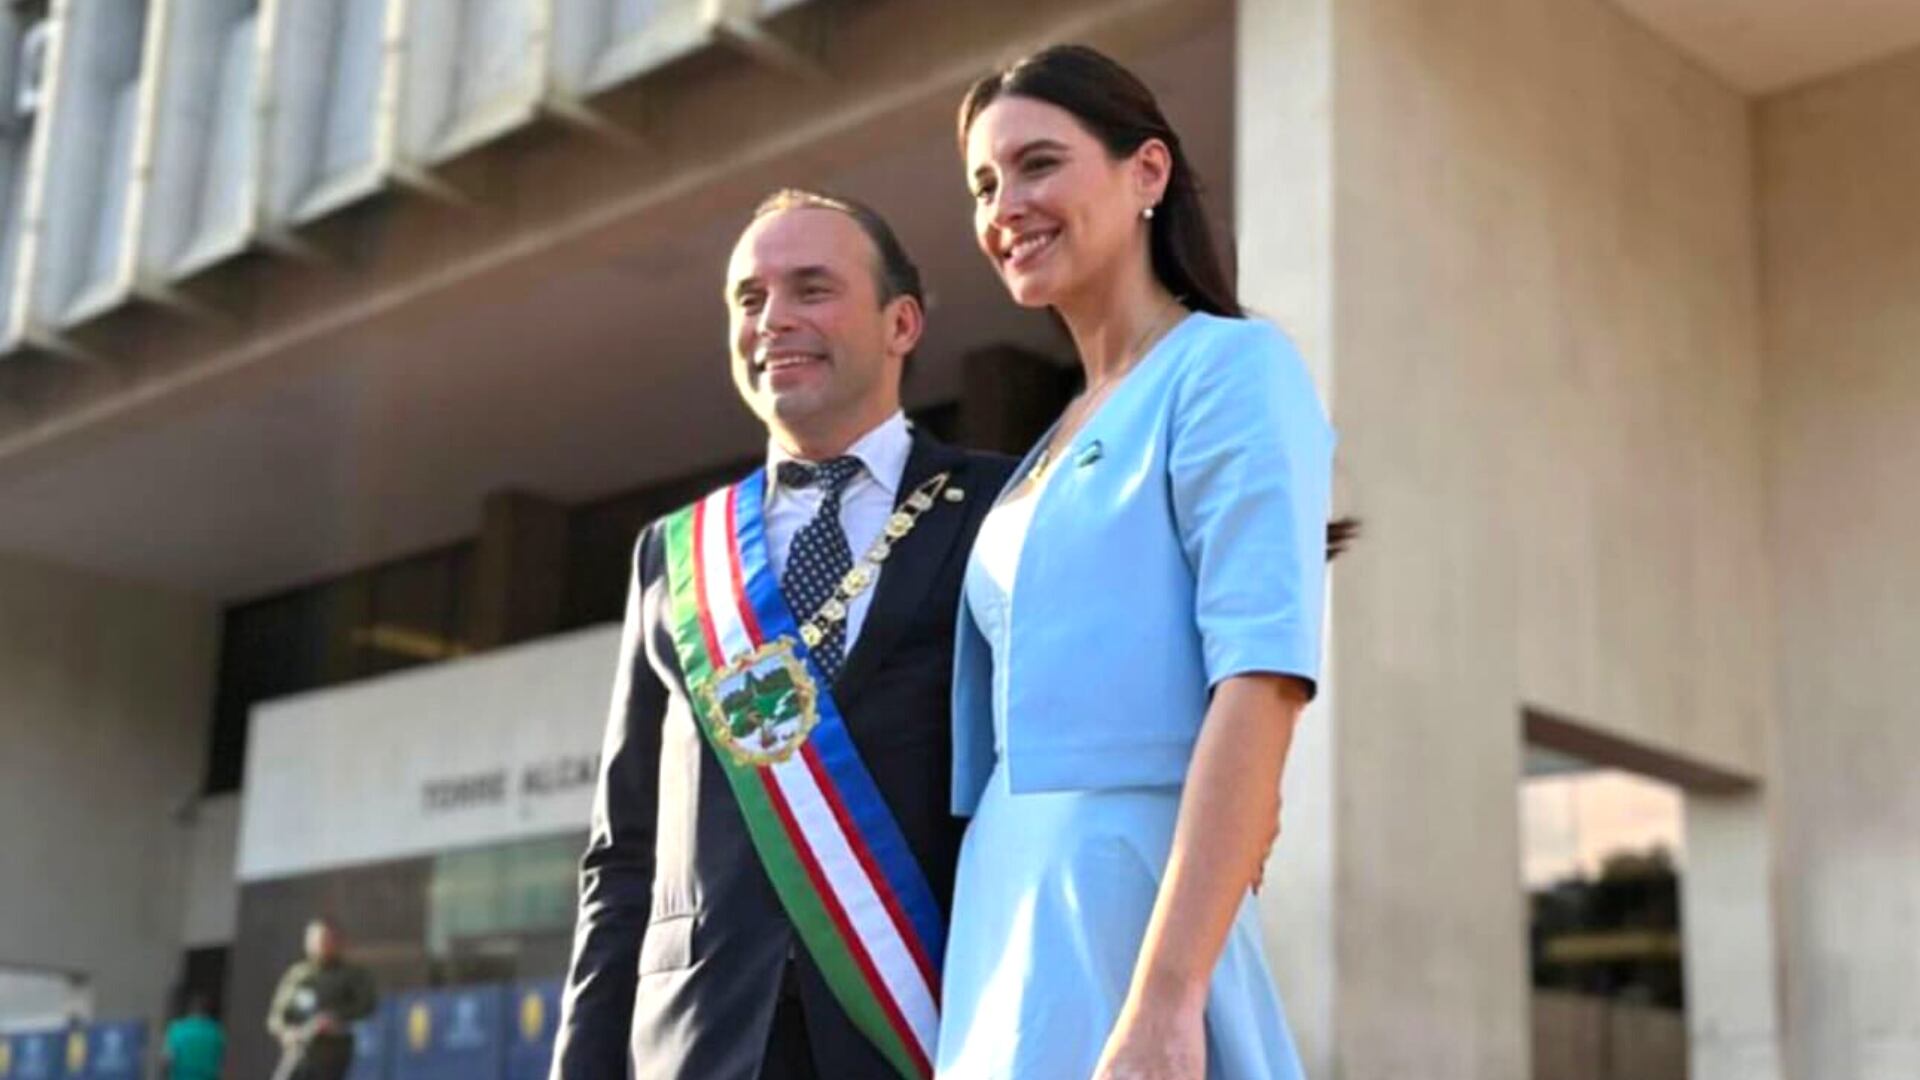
866 571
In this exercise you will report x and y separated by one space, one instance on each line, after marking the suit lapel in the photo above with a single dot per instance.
912 568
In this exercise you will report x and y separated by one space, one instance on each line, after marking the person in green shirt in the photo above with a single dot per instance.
194 1044
315 1006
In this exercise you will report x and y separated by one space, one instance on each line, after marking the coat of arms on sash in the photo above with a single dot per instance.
762 706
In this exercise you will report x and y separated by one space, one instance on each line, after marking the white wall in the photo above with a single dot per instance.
212 905
491 748
38 1000
1540 309
105 701
1840 171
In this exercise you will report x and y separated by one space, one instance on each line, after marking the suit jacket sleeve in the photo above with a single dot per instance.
616 873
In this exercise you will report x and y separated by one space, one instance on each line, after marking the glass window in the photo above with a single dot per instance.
501 911
1602 859
414 614
600 539
393 616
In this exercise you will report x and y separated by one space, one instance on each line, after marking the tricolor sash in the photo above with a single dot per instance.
835 854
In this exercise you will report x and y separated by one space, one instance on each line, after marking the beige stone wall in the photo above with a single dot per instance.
1542 320
1839 165
105 701
1548 364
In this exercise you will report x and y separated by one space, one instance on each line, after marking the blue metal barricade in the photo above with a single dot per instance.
113 1051
35 1055
535 1013
372 1045
449 1035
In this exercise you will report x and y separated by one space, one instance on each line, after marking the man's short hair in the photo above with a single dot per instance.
895 275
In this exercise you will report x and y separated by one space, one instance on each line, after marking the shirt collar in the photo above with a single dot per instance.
883 451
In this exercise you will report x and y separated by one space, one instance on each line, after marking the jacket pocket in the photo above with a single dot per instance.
668 944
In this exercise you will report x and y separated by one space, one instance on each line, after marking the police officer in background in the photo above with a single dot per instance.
315 1006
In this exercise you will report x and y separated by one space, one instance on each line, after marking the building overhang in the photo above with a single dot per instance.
554 324
1765 46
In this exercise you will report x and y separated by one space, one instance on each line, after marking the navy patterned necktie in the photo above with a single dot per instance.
820 555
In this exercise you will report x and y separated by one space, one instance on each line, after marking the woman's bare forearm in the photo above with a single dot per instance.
1225 829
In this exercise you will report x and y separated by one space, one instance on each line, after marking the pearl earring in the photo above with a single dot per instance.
1147 213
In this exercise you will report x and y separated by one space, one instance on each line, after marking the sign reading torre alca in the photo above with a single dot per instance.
499 747
556 777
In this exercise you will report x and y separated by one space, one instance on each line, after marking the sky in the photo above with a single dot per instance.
1571 821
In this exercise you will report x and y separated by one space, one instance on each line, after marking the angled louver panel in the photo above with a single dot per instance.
199 202
599 44
78 258
475 70
26 41
331 82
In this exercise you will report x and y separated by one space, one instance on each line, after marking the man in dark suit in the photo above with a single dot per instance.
686 956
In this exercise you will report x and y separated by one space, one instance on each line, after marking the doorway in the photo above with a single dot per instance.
1649 912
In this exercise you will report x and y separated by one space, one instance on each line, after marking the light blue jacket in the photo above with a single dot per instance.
1180 540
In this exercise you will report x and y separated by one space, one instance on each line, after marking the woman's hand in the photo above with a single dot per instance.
1166 1042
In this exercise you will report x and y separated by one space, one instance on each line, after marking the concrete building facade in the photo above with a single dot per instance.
1613 302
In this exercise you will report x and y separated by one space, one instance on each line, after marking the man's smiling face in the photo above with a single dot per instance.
815 349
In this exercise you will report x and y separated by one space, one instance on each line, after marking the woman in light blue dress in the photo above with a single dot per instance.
1141 620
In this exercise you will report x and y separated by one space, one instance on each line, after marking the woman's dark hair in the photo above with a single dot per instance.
1118 110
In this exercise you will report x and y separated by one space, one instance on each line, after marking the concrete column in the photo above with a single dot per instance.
1726 910
1515 243
1284 227
1839 162
520 569
1009 396
106 692
212 889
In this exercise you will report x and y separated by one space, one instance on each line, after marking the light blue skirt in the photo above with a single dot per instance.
1051 904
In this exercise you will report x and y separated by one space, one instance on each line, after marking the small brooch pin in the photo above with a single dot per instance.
1089 455
954 494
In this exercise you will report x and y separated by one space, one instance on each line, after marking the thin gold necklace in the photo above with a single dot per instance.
1088 400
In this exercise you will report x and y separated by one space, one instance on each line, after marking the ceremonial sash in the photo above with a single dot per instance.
836 856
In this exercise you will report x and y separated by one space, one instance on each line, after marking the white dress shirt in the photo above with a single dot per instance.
865 504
